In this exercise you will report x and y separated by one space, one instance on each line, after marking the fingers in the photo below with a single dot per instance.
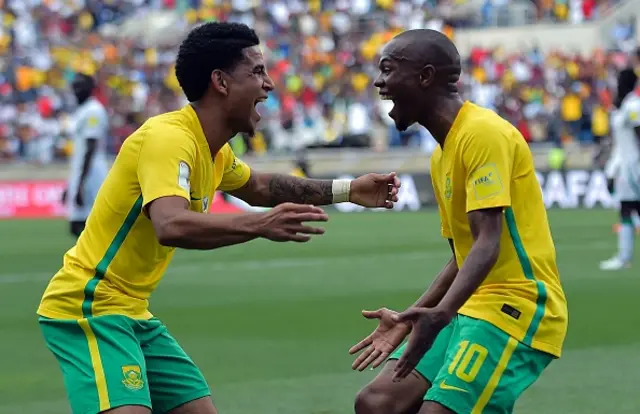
305 230
300 217
361 345
301 208
299 238
403 368
372 355
408 315
376 314
383 357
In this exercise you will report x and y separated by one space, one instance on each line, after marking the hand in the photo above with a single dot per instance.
284 222
64 196
426 324
79 198
375 190
381 342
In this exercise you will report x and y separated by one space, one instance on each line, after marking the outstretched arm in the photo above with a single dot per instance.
269 190
176 226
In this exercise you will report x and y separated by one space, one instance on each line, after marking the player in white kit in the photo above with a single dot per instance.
623 168
89 161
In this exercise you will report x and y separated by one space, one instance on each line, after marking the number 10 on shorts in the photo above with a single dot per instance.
468 361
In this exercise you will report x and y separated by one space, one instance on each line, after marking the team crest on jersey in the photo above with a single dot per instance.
93 121
447 188
132 377
205 204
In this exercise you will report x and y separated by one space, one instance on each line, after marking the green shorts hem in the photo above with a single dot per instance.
143 402
196 395
456 408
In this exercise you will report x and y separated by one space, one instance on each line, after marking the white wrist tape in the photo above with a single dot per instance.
340 190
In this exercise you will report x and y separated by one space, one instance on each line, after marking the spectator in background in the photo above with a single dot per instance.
322 53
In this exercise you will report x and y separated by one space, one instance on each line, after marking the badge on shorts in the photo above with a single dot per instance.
132 377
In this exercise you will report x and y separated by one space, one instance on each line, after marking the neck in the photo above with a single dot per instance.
440 119
215 129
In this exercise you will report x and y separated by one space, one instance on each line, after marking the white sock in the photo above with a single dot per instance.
626 239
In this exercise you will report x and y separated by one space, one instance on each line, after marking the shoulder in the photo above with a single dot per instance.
436 156
168 126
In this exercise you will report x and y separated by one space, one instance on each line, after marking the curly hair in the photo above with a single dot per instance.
210 46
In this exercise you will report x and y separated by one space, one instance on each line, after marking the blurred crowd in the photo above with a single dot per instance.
321 53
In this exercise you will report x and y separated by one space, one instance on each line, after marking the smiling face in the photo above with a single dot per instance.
246 85
399 82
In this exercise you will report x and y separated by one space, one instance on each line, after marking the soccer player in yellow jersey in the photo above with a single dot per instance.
115 356
496 315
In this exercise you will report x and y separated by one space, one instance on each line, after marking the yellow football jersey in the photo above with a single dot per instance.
486 163
117 261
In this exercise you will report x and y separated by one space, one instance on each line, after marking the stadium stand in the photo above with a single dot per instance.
321 54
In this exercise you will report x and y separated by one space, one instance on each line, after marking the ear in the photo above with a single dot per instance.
427 75
219 82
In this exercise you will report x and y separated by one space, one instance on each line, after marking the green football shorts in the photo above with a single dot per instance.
111 361
475 368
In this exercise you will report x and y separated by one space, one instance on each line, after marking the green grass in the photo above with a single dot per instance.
270 324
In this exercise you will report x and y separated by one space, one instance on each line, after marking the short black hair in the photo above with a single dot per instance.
627 79
210 46
85 79
430 47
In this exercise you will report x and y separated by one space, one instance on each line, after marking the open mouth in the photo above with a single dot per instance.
260 99
386 96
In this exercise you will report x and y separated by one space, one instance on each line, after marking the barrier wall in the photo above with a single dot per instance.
577 188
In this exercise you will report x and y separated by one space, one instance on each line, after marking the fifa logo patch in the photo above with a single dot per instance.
486 182
132 377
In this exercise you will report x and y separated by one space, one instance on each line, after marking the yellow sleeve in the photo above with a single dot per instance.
236 173
165 164
445 229
487 162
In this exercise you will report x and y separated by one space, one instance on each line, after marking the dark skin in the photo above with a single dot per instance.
227 109
421 81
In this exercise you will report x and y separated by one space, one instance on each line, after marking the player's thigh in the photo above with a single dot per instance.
202 405
176 383
101 362
383 395
485 371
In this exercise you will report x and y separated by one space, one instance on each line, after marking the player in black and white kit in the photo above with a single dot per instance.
88 169
623 168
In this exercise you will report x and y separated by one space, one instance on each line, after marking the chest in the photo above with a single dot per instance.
206 177
450 182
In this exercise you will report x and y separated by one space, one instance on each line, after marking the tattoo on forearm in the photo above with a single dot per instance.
284 188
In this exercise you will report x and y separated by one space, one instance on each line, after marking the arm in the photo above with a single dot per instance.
441 283
268 190
176 226
92 144
165 164
486 228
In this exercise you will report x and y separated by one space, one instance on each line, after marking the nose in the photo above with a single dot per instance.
268 84
379 82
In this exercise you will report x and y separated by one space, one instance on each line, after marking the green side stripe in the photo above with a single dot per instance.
101 268
528 273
